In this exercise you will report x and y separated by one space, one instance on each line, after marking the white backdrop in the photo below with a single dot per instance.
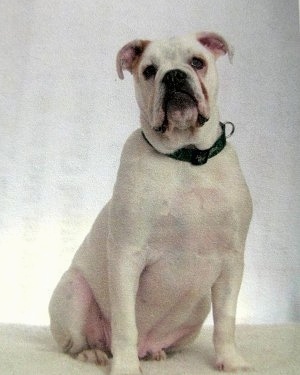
64 116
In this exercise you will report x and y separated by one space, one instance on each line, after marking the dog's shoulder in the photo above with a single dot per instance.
137 153
135 145
135 163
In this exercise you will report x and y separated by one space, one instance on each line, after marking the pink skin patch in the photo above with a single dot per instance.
98 329
151 345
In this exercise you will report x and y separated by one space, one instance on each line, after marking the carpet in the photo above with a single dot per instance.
272 350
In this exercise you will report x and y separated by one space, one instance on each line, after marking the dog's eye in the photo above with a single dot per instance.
197 63
150 71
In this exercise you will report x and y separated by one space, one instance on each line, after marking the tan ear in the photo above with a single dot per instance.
216 44
129 56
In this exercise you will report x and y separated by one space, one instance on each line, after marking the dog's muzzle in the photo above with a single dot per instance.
179 103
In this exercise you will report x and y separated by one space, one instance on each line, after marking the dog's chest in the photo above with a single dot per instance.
192 217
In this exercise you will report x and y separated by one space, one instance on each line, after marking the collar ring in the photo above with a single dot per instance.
232 128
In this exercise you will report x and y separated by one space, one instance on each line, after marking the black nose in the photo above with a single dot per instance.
174 77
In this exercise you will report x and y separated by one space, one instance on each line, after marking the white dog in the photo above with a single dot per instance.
171 240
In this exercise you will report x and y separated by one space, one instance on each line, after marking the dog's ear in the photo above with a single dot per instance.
129 56
216 44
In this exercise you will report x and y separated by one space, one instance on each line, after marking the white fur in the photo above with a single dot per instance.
170 241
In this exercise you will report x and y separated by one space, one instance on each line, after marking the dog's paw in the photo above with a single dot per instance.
159 356
96 356
232 363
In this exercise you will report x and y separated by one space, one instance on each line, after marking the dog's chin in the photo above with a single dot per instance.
180 112
182 119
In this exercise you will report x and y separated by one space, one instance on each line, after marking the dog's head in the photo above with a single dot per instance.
175 79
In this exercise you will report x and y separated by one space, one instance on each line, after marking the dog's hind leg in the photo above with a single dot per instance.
76 321
68 311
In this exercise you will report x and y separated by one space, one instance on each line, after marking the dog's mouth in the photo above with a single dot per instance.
181 110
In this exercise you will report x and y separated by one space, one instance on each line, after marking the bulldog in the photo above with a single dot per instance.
170 242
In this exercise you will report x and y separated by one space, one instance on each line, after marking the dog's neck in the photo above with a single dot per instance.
193 155
202 138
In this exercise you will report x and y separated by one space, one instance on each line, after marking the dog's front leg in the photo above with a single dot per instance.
125 266
224 299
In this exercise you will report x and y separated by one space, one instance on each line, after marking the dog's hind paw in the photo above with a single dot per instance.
159 356
96 356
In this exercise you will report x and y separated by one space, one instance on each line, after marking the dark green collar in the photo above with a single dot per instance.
196 156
